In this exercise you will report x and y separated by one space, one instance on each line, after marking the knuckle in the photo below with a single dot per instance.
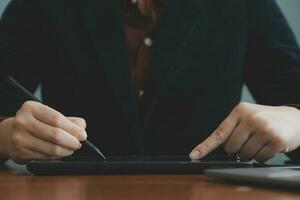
56 120
242 107
253 119
28 105
278 141
222 127
75 131
56 135
19 113
18 122
266 130
83 122
56 151
80 122
219 136
16 139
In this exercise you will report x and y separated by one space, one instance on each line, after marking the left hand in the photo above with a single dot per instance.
255 132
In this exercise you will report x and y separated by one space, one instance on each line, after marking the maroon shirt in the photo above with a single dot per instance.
141 17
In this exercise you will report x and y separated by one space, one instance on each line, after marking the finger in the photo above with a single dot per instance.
269 151
54 135
56 119
26 155
79 121
37 145
238 138
217 138
254 144
33 155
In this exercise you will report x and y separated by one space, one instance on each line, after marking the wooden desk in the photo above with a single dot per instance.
14 187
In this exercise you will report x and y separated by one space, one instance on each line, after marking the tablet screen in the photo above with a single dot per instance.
131 165
147 159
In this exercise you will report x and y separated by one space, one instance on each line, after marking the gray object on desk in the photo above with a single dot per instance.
283 177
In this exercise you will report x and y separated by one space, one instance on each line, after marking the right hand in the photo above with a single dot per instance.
38 132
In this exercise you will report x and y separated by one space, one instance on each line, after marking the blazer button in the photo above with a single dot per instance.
141 93
148 42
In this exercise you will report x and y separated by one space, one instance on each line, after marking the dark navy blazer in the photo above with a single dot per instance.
204 52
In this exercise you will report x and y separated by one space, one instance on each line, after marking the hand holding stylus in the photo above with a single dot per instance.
40 132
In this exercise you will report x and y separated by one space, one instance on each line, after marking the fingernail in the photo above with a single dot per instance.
195 155
79 145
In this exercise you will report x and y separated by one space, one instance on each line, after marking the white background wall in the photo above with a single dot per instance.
3 4
291 9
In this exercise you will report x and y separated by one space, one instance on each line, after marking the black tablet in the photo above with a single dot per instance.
129 165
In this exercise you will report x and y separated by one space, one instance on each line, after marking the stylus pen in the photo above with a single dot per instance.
30 96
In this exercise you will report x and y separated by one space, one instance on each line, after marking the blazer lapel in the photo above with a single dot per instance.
103 21
176 26
104 24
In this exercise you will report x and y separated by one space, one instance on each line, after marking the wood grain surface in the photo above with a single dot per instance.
25 187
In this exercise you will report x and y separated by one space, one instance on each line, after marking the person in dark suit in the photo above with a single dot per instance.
150 77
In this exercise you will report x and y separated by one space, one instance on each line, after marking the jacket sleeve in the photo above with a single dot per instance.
20 52
272 68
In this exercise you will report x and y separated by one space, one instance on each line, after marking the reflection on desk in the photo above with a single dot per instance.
13 187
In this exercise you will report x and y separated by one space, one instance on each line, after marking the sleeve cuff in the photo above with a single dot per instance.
3 160
294 156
